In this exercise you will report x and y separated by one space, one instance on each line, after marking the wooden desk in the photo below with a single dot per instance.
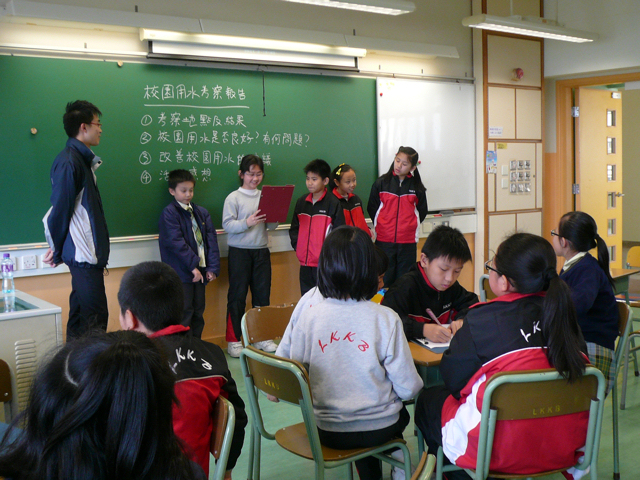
427 364
621 280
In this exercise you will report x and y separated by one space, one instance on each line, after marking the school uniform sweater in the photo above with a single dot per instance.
311 224
397 209
359 363
503 335
352 209
412 294
594 301
238 206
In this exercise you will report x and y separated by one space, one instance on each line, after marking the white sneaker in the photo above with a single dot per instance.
268 346
398 473
234 349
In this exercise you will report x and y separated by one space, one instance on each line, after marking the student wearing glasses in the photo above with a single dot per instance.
75 225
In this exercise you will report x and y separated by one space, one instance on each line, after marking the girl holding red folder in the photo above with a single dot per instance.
249 259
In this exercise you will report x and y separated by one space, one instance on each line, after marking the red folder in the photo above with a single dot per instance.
275 201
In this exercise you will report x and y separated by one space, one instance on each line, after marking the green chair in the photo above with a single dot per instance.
265 323
425 468
485 289
224 422
288 380
6 392
519 395
625 321
630 350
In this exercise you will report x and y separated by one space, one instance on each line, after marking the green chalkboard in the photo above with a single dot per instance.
157 118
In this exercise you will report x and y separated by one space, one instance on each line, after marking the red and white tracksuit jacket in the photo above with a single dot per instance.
311 224
397 210
499 336
352 209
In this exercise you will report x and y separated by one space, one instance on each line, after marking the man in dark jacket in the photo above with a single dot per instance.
75 226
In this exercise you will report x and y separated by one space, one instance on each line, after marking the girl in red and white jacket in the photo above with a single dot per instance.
530 325
343 179
397 206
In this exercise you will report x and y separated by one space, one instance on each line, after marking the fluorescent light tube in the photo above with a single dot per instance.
246 42
385 7
538 27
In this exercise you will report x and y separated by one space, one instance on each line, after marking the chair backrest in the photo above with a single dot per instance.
625 324
265 323
540 394
6 392
425 468
633 257
224 421
485 289
283 378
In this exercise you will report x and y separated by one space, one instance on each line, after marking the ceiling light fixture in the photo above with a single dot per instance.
529 26
385 7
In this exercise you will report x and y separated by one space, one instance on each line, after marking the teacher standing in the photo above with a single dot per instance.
75 225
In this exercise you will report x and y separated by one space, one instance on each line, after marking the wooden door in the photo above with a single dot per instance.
599 164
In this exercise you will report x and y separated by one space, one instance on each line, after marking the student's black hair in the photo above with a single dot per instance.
413 158
76 114
336 174
347 268
382 260
318 166
447 242
100 408
581 231
178 176
154 294
529 263
247 161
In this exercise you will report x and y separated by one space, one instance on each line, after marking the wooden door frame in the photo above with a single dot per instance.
558 175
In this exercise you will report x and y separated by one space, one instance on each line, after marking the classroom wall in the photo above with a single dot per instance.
285 288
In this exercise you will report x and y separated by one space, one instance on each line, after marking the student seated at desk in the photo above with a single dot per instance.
359 363
100 409
429 299
151 301
591 287
530 325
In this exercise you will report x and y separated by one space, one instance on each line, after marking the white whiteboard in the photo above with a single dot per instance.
437 119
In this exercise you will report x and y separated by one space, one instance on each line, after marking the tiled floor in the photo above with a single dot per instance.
279 464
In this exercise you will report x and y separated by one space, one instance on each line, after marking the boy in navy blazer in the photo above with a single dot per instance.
188 243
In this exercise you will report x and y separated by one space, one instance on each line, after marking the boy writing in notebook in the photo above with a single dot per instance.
315 214
188 243
151 300
429 300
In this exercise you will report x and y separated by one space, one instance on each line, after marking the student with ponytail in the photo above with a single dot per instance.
530 325
591 287
397 206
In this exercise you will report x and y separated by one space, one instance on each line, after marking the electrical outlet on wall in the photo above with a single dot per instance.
28 262
42 264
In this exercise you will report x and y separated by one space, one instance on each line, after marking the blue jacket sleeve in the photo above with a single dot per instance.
211 238
174 248
65 184
460 362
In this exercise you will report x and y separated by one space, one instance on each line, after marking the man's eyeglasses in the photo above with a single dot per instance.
488 267
98 124
554 233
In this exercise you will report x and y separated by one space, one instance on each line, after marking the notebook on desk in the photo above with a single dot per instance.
433 346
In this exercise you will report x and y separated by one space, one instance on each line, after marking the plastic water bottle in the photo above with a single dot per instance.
8 287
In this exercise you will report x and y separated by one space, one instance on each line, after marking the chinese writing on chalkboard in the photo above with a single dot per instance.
197 128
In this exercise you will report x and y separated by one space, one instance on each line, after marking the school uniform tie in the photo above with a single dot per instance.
198 235
196 228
